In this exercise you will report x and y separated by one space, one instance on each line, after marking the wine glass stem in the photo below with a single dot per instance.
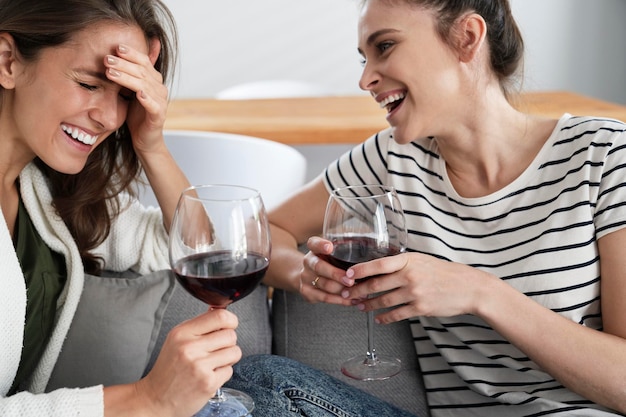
371 350
218 397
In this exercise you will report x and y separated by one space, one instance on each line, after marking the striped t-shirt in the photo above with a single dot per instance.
538 234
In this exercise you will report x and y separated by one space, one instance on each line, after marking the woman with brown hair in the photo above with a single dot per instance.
82 108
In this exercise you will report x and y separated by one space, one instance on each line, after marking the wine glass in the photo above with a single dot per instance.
219 248
365 222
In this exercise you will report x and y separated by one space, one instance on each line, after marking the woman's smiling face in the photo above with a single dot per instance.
408 68
63 105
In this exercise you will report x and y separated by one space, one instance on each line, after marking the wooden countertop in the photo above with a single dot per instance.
340 119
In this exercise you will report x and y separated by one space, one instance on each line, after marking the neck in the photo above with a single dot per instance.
492 147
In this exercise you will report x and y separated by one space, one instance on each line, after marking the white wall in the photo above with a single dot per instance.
576 45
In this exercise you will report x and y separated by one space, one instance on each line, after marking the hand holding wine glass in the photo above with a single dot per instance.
364 223
219 251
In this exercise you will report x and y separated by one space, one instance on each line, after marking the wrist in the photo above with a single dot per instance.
132 400
487 293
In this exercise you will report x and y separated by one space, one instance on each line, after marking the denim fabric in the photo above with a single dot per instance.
282 387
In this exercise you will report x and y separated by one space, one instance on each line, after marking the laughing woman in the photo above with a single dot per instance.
515 279
82 107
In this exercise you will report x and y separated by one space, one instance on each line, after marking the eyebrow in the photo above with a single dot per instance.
372 37
92 73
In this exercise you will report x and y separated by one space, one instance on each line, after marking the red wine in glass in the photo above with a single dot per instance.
220 278
365 222
219 247
350 251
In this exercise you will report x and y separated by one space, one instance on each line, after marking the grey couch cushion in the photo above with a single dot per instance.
114 330
323 336
122 320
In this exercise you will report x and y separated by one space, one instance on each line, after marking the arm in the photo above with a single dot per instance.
589 362
298 220
596 367
146 118
292 222
196 359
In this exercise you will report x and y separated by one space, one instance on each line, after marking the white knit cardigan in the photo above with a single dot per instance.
137 241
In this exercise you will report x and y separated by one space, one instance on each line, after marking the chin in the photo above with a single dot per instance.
67 169
401 136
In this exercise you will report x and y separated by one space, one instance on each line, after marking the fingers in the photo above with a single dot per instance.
134 70
196 359
321 281
130 67
207 334
317 263
212 320
155 50
325 290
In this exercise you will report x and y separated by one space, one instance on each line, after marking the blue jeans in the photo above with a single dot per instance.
282 387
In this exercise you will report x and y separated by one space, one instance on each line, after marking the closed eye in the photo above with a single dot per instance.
88 87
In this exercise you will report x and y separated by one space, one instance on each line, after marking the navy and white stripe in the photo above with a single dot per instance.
538 234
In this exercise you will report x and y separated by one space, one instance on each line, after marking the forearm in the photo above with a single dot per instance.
292 223
166 179
589 362
286 262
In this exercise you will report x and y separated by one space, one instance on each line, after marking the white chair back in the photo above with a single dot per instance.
273 168
273 89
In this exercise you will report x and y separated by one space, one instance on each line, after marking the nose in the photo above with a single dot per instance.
369 77
107 111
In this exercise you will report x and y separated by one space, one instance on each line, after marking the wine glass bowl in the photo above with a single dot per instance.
364 223
219 249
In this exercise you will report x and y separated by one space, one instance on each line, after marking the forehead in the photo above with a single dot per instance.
397 15
103 38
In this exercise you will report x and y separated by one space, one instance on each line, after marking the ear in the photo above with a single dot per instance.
7 60
471 34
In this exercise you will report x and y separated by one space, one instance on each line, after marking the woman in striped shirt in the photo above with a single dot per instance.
515 280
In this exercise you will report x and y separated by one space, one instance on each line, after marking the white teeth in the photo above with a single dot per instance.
390 99
80 135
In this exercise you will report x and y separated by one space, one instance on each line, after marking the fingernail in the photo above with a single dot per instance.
361 307
111 60
122 48
345 293
114 73
349 273
347 281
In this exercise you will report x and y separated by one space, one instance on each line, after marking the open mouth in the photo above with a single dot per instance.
392 102
79 135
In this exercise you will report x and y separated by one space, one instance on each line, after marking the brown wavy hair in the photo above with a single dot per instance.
88 201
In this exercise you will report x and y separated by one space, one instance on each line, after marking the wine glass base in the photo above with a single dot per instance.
364 368
232 403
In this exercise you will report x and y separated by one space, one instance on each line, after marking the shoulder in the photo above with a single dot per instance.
597 135
590 126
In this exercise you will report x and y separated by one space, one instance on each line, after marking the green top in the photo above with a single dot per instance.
45 275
